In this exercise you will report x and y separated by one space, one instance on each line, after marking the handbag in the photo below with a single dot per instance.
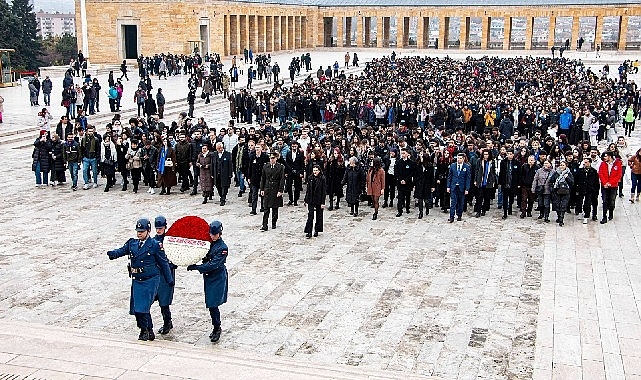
130 164
169 163
563 188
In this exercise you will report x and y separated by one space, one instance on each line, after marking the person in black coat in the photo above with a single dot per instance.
257 160
41 159
222 172
527 177
294 172
587 185
509 174
485 182
315 201
424 183
354 178
58 176
335 174
404 172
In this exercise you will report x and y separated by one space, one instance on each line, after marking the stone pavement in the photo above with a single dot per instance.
483 298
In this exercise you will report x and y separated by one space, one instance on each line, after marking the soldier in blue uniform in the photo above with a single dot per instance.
147 262
215 276
165 291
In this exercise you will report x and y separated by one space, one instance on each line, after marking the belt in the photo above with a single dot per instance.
137 270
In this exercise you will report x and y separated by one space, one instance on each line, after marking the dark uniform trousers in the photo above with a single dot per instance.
588 202
274 216
404 197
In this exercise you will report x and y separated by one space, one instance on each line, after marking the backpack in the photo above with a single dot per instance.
113 93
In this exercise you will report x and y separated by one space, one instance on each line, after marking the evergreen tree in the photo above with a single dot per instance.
28 44
10 27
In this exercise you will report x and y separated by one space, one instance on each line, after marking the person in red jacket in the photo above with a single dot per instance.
609 174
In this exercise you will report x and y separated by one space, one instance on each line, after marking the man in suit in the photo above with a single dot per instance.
147 261
222 171
509 175
459 178
294 172
256 163
272 183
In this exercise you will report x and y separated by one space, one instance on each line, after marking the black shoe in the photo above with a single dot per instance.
504 216
483 213
162 192
610 214
164 330
262 209
330 208
290 203
561 224
315 234
594 218
451 220
459 218
193 192
124 188
222 203
150 334
240 194
546 220
106 189
295 203
374 216
355 214
264 228
391 203
420 215
253 212
620 195
182 190
557 220
144 335
204 200
399 214
529 214
477 215
215 334
522 216
308 235
603 221
540 216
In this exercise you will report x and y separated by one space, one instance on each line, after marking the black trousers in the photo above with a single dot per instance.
143 321
196 170
222 190
183 175
214 312
253 194
314 212
608 198
590 203
390 187
166 314
295 181
483 199
266 216
404 199
508 199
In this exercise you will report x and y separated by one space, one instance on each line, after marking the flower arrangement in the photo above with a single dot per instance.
187 241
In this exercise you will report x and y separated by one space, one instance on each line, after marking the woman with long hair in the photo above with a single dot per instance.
376 183
315 201
635 174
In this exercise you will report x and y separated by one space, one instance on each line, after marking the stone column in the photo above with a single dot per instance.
303 32
575 32
367 31
348 31
598 32
269 30
292 32
228 35
83 29
464 35
340 32
400 31
238 50
379 31
420 29
551 32
284 35
358 23
244 34
529 31
507 32
299 31
485 32
253 33
406 31
443 32
262 34
623 32
277 34
386 30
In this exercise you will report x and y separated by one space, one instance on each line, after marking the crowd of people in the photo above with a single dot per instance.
453 135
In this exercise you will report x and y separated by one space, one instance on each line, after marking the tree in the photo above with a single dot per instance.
67 47
9 29
28 44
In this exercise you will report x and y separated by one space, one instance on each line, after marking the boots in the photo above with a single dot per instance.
356 210
547 216
331 204
420 210
124 187
168 190
215 334
162 190
561 216
338 201
205 196
391 202
375 215
610 214
351 209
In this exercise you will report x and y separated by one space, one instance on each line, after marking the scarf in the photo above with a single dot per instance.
561 178
161 160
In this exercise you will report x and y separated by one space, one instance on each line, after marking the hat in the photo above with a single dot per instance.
160 222
43 132
143 225
274 154
215 227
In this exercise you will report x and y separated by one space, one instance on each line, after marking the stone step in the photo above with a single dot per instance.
44 351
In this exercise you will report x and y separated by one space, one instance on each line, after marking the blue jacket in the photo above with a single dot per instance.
151 261
462 179
165 291
215 274
565 120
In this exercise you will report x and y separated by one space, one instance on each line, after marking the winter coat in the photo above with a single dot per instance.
108 159
376 183
42 154
479 174
587 181
316 191
424 181
541 178
225 165
205 161
57 156
335 173
272 182
168 177
354 178
134 157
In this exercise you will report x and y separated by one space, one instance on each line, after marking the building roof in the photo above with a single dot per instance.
443 3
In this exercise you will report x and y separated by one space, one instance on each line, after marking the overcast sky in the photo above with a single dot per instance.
63 6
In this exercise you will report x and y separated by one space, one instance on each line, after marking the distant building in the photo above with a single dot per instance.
56 24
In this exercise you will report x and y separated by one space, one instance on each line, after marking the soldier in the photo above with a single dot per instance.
272 183
147 261
165 291
215 276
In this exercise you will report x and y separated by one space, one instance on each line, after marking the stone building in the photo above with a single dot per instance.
112 30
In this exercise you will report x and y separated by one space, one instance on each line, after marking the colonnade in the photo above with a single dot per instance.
264 33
